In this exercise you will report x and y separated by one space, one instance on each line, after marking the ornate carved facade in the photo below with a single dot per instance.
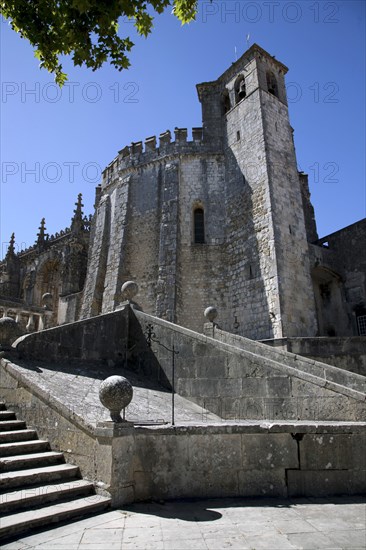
42 285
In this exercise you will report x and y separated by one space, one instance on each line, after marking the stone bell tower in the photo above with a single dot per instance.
245 112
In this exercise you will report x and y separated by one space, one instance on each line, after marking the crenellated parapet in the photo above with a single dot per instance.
154 149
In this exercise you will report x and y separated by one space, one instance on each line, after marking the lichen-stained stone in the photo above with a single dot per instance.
226 451
333 451
269 451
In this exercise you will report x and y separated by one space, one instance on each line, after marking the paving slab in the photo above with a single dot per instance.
214 524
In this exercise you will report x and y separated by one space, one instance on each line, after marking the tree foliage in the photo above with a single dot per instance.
85 29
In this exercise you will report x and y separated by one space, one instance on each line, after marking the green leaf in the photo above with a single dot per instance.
85 29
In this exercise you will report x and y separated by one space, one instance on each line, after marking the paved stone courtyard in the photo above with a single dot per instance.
337 523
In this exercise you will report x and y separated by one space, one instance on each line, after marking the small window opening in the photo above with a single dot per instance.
240 90
238 136
199 226
272 84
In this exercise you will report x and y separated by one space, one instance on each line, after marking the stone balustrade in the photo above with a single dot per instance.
29 319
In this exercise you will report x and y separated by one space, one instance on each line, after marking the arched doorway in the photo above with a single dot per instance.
330 305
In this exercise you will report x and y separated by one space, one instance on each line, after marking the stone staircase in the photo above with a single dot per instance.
37 487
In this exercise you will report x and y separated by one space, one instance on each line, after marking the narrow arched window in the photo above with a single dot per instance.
226 106
272 84
199 226
240 90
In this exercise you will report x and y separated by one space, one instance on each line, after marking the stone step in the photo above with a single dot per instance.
24 521
6 425
34 460
36 487
36 476
7 415
44 494
12 436
23 447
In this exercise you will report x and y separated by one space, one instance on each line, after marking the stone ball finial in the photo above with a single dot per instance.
7 322
129 290
115 393
47 300
9 331
210 313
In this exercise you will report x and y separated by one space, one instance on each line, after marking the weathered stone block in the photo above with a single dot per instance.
211 367
231 409
338 407
143 485
223 483
253 387
205 387
169 450
229 388
262 483
301 388
281 409
269 451
182 483
222 451
326 482
252 408
183 386
278 386
333 451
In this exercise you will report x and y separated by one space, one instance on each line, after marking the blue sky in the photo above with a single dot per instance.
55 143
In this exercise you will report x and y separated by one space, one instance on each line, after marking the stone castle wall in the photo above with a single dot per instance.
143 230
